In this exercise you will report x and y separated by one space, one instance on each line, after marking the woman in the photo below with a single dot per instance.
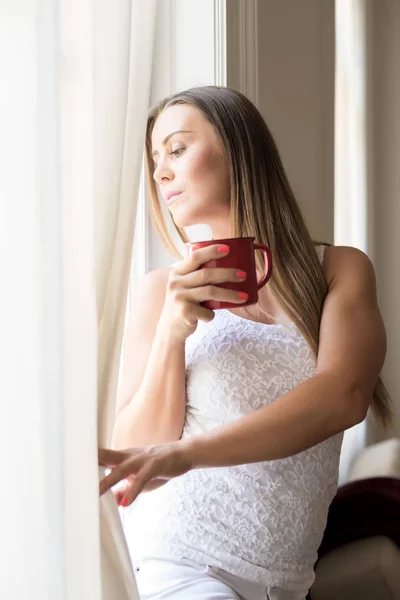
243 409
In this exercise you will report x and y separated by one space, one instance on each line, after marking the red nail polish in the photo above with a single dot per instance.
223 249
124 501
243 295
241 274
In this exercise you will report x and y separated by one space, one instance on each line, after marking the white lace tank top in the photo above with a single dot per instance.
262 522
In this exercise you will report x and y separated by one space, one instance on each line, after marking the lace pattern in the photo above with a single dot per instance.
263 521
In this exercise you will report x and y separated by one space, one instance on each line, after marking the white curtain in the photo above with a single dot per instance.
75 77
123 43
35 478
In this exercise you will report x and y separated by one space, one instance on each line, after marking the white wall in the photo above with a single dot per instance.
296 98
385 141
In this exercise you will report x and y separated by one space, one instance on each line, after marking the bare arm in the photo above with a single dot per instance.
165 311
351 354
151 401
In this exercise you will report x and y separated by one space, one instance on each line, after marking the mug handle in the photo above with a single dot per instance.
268 264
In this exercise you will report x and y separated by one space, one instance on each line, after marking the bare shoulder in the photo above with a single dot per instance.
154 280
345 264
150 291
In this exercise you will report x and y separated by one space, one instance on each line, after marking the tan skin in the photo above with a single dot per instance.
352 337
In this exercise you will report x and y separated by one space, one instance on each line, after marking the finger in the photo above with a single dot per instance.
216 293
126 497
200 257
120 493
154 484
137 485
202 314
211 276
117 474
110 458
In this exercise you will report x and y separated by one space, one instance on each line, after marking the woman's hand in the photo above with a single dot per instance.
144 469
189 285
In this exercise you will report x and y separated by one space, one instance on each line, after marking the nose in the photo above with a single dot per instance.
163 173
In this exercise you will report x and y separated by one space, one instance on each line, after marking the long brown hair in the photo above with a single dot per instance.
262 205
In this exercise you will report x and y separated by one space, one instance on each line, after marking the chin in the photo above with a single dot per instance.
182 223
186 220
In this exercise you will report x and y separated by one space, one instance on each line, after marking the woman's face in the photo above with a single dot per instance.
191 169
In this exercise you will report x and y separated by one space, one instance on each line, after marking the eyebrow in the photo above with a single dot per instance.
165 140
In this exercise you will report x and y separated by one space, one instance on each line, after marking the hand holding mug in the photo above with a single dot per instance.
192 290
242 258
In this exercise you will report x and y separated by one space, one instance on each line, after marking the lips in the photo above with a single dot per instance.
171 196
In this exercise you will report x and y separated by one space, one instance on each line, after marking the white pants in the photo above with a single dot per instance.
181 579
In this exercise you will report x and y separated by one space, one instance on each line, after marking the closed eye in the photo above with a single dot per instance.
177 152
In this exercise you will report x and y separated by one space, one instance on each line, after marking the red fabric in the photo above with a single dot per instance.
361 509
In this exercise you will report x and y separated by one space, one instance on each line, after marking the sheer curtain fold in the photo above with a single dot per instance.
32 540
123 50
123 63
75 82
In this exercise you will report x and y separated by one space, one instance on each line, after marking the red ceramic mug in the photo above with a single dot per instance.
241 257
